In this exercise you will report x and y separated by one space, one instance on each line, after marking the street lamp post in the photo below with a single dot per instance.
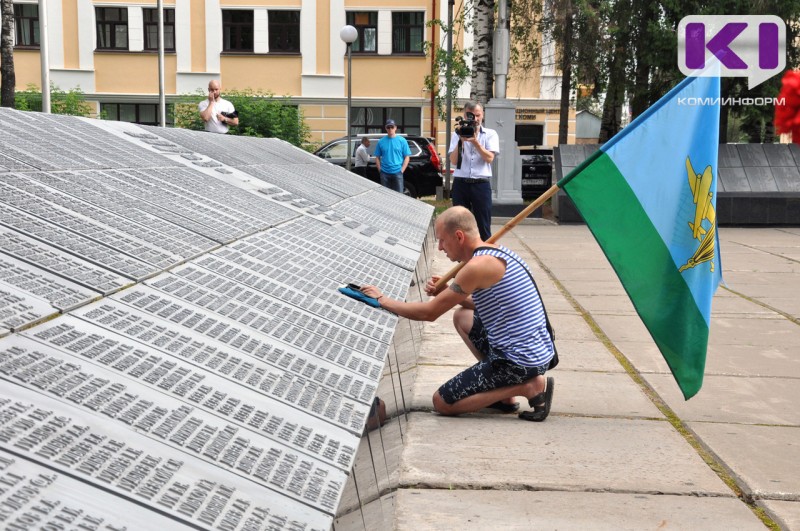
349 35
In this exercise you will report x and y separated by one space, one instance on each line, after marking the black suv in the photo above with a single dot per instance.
422 175
537 172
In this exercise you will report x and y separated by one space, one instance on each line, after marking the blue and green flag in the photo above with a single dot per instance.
649 197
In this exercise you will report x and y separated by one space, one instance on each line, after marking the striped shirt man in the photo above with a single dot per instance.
513 314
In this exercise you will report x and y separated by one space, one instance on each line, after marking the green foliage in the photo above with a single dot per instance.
626 51
71 102
456 60
185 114
525 42
260 114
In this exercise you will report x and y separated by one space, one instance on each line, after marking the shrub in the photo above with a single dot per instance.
260 114
71 102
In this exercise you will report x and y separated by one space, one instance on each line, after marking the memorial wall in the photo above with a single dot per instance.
174 351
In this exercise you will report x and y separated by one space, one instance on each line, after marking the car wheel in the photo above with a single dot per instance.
409 190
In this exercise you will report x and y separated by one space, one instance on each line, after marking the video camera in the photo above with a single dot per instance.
466 126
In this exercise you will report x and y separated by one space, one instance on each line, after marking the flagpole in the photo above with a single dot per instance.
507 227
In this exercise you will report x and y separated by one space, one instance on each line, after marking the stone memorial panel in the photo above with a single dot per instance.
81 443
60 263
60 293
19 309
33 496
206 373
71 192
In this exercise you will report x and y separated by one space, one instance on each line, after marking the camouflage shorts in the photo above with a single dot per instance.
493 372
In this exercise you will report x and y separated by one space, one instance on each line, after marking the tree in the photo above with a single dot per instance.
7 76
574 27
482 56
456 59
618 61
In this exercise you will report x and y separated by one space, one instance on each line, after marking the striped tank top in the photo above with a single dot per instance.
512 313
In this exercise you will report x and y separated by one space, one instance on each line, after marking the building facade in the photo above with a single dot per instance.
291 48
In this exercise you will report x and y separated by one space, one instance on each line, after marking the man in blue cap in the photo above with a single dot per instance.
391 156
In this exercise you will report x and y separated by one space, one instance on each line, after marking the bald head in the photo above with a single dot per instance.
458 218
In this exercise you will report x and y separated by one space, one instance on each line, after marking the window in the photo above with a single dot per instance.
371 119
284 31
151 29
407 32
237 30
366 22
112 28
138 113
26 22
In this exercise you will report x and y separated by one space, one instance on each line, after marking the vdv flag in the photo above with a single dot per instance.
649 197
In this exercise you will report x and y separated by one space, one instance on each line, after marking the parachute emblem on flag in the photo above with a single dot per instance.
700 185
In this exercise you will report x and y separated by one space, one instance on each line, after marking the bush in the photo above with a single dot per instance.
71 102
260 115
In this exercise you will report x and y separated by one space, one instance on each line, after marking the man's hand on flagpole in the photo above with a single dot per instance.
430 287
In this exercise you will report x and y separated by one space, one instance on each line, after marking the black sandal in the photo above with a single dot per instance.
503 407
540 403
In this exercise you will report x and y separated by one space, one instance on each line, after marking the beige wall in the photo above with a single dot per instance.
260 3
388 80
280 75
418 5
198 25
389 76
70 33
27 68
132 73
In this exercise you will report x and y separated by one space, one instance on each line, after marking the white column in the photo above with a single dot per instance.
384 32
183 35
337 46
308 36
260 31
87 33
213 35
55 35
135 29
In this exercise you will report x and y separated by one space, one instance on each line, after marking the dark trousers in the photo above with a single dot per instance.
477 197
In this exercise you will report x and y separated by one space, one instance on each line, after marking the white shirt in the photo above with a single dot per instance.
472 164
362 156
213 125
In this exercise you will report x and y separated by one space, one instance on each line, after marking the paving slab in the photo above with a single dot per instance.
761 237
376 514
785 513
562 453
609 304
766 459
523 510
741 259
622 328
735 399
598 394
728 304
590 355
590 288
755 331
571 326
644 355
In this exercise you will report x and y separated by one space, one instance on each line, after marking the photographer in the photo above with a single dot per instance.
472 156
217 113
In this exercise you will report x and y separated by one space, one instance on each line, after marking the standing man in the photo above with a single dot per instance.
472 159
391 156
216 112
501 319
362 157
